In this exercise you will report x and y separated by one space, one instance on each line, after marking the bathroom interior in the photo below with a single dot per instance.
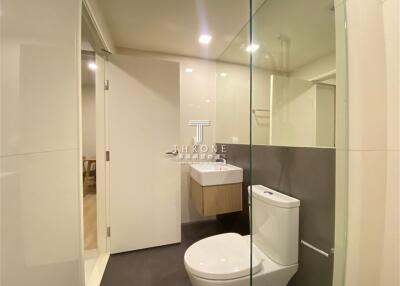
208 144
268 109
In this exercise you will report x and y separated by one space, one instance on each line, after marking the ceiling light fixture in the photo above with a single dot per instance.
223 74
92 66
252 48
189 70
205 39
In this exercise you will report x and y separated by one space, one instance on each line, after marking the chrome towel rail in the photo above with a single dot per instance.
315 248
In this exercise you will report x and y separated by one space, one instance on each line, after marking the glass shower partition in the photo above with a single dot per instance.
281 111
298 141
233 120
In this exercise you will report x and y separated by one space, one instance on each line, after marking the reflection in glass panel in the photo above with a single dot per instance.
302 112
294 77
298 99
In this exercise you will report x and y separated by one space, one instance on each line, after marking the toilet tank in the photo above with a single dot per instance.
275 225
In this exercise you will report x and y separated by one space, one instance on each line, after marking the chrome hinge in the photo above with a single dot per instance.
106 84
108 231
107 156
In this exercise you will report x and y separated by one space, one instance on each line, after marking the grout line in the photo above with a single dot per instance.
371 150
40 152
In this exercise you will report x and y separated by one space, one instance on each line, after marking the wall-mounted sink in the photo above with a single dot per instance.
216 174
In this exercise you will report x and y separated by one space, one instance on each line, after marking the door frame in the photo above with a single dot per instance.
101 47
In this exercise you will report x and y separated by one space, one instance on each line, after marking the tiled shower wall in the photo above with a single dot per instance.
307 174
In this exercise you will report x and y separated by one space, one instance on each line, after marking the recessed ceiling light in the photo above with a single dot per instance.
205 39
189 70
223 74
252 48
92 66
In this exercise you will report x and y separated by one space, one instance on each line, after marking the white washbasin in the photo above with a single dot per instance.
216 174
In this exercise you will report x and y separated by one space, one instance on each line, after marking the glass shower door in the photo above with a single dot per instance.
298 131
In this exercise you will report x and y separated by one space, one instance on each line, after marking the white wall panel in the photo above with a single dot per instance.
40 194
373 218
40 215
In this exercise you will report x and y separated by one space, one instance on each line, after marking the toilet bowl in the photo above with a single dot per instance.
225 259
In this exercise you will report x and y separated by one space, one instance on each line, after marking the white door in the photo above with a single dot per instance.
143 103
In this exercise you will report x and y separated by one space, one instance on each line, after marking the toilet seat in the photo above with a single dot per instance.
221 257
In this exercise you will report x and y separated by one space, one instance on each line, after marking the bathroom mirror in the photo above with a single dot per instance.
293 77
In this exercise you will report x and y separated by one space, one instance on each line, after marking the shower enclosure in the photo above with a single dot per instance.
282 113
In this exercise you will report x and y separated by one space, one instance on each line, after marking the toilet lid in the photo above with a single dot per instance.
221 257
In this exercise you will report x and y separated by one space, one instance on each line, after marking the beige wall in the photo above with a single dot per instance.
88 121
373 206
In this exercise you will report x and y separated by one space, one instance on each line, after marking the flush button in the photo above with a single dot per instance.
270 193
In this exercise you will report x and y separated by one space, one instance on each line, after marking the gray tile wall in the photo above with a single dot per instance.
307 174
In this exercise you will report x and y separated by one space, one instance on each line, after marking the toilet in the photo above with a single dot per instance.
225 259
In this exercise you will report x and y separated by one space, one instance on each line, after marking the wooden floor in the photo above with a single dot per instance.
90 219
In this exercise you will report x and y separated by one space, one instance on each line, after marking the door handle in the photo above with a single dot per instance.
173 153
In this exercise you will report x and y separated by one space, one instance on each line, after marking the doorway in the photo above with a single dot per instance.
89 174
93 154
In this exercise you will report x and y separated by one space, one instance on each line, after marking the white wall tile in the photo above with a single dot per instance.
374 183
198 101
233 104
39 75
39 101
40 211
366 212
40 200
367 80
391 242
392 50
197 97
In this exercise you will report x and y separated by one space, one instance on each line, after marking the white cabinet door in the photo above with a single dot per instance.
143 103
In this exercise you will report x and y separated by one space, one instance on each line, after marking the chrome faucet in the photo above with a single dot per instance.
222 159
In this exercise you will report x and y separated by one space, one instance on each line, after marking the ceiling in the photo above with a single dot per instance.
174 26
290 34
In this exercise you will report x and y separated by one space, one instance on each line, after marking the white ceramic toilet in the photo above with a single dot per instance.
225 259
